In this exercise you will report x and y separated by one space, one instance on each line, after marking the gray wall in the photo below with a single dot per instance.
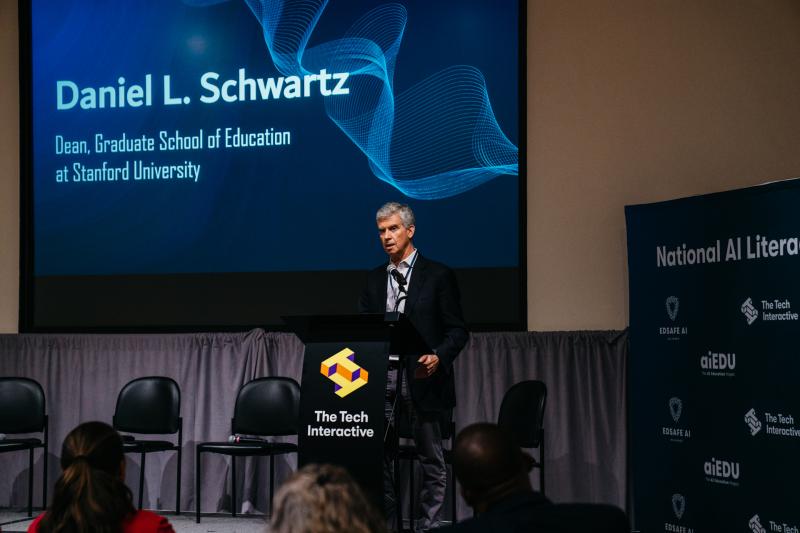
629 101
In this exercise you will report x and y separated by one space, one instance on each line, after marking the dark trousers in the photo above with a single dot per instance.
427 434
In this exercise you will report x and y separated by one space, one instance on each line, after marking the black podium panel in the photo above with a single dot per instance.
342 409
344 386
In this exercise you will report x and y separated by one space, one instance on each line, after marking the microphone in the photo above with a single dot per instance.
238 439
399 278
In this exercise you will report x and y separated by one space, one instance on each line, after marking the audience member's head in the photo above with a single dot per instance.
489 465
90 494
323 499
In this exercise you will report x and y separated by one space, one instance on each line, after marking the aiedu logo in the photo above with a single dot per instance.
722 472
718 364
752 422
672 304
749 311
345 374
755 525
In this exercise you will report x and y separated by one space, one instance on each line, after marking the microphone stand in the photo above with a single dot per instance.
396 411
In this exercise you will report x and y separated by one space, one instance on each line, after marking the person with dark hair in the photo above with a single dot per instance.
323 499
91 495
427 293
493 472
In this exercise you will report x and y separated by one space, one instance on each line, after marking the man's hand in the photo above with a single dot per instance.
427 366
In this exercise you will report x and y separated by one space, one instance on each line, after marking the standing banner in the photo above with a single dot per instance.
715 361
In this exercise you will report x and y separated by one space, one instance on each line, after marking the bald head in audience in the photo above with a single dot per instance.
489 465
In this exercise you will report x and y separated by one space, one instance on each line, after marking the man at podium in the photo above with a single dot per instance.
427 293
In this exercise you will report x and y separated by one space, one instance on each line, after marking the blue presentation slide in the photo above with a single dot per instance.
204 136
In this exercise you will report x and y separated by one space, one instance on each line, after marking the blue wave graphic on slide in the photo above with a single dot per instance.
435 140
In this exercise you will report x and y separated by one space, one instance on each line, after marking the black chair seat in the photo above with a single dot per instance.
27 441
147 446
248 448
406 451
16 446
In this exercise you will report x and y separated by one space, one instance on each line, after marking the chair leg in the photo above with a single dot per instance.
44 478
453 495
197 487
141 481
541 477
271 481
30 481
398 508
233 485
411 506
541 466
178 486
44 449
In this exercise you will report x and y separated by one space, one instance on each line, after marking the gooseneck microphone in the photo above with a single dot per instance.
400 279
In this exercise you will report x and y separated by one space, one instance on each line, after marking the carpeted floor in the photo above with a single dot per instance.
11 521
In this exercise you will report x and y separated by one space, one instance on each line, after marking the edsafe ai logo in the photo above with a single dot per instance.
675 433
673 304
345 374
673 331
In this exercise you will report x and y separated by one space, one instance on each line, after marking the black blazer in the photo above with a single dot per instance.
514 514
433 306
532 512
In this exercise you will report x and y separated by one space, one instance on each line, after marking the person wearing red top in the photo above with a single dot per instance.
91 495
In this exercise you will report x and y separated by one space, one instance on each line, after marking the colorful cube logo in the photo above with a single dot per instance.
345 374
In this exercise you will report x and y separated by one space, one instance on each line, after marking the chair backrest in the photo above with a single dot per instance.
522 412
580 517
22 406
268 406
149 405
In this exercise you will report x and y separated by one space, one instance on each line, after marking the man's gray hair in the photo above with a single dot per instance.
390 208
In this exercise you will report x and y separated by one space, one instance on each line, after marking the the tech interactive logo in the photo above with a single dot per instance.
345 374
752 422
749 311
755 525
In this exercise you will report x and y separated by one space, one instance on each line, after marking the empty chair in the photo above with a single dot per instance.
151 406
265 407
22 410
522 414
